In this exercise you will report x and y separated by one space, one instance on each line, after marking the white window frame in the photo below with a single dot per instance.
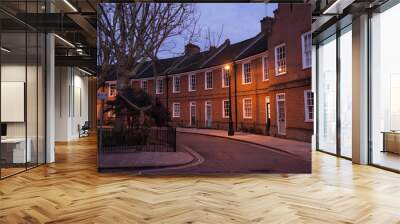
265 66
174 115
109 89
303 50
190 82
244 108
276 60
243 75
157 86
223 109
205 80
142 86
224 75
174 84
306 106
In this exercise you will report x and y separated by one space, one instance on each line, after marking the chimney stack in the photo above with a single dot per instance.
266 24
213 48
191 49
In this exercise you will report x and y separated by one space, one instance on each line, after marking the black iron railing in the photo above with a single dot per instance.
155 139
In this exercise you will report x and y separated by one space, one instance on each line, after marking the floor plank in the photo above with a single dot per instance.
72 191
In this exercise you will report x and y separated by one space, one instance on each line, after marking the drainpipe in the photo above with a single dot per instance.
167 92
236 111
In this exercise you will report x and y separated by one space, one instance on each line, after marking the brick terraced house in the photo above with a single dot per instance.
269 75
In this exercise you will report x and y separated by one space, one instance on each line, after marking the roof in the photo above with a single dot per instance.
225 53
259 46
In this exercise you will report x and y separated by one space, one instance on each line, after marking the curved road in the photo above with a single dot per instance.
230 156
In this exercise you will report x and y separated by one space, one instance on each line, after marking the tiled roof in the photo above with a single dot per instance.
229 53
260 45
224 54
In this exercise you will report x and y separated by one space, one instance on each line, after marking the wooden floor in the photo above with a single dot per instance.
71 191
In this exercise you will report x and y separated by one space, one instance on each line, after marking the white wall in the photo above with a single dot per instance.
71 102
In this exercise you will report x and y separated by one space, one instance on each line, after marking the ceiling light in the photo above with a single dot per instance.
64 40
5 50
337 7
84 71
70 5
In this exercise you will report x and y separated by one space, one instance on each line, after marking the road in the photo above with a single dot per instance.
230 156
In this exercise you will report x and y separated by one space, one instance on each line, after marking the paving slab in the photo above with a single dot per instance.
298 148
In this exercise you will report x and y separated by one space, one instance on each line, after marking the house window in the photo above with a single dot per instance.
309 105
112 90
265 68
192 82
177 84
225 78
280 59
246 73
247 108
143 85
159 86
225 108
176 110
209 80
306 40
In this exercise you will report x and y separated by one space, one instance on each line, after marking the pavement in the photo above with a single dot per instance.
144 159
298 148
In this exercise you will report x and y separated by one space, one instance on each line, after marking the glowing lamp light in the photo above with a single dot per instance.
227 67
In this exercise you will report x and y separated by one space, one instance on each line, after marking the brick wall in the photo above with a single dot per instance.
290 22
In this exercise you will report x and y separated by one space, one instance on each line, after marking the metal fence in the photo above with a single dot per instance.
250 127
154 139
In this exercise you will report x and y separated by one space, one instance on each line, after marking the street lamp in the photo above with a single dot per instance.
230 128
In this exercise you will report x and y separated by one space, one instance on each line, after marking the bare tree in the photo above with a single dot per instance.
131 34
213 38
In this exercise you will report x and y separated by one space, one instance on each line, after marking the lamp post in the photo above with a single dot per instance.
231 132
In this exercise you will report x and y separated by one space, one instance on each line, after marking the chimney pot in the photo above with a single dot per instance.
266 24
191 49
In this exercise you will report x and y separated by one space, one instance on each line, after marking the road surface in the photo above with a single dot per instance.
229 156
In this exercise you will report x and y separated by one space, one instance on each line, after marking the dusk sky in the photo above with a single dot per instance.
240 21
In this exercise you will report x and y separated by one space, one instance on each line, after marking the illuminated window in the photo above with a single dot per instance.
280 59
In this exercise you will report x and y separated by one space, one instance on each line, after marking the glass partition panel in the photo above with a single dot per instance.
31 98
14 153
385 89
41 86
346 92
327 95
22 89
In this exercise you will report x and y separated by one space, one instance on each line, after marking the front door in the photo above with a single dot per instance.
281 113
192 114
208 114
267 115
